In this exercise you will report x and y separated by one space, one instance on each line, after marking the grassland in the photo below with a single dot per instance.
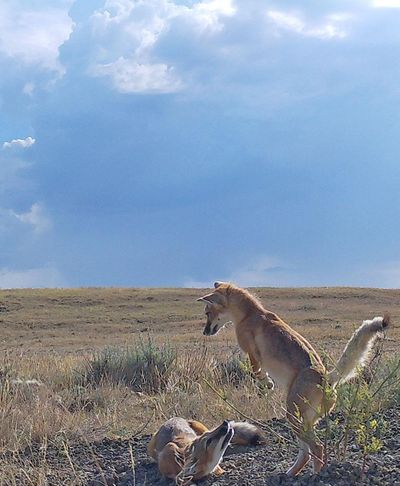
55 336
76 321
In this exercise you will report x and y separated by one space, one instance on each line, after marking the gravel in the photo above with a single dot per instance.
109 462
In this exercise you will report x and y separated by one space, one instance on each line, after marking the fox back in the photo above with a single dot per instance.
173 429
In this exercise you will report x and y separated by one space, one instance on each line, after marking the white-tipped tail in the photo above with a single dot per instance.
247 434
356 352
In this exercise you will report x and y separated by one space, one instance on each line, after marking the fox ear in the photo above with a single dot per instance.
211 299
206 298
386 320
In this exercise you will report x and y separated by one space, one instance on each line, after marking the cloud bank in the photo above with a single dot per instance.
186 137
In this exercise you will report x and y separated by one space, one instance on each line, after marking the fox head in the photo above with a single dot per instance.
205 453
216 309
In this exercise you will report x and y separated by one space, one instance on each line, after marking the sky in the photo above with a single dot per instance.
175 143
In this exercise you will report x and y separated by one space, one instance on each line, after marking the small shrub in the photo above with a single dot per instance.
144 367
358 417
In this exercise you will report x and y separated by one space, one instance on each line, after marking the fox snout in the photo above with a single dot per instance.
207 330
210 330
224 430
227 432
225 427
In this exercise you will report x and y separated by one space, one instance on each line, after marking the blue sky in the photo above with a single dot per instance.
173 143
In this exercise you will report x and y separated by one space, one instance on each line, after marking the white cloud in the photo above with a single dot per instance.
34 35
209 14
287 21
31 278
266 271
36 217
127 32
262 271
28 88
154 15
12 181
218 7
386 3
117 10
130 76
19 142
291 22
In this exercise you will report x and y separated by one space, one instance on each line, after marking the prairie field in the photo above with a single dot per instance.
87 374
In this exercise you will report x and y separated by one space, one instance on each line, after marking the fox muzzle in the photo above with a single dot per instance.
210 329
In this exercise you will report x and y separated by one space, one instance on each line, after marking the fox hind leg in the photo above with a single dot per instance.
302 459
169 461
151 447
304 405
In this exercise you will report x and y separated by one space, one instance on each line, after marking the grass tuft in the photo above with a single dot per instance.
144 366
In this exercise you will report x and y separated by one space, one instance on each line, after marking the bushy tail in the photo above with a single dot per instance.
247 434
355 354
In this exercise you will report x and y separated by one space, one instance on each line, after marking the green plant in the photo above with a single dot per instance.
358 416
144 366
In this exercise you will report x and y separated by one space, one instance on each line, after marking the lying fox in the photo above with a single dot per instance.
186 450
277 350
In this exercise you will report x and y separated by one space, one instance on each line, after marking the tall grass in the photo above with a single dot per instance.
116 391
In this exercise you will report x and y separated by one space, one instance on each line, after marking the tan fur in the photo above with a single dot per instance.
186 449
247 434
277 350
198 427
357 350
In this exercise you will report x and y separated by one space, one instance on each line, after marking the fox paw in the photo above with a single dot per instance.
218 471
266 386
269 384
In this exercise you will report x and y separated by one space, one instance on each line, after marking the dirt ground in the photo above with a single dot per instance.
124 462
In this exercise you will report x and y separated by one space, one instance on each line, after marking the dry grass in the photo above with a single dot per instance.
118 391
100 376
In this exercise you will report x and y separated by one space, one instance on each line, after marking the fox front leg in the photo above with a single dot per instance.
259 373
255 366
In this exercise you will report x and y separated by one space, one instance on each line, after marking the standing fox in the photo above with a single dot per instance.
186 450
275 349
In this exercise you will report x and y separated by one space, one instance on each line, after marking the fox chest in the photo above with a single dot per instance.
245 341
275 364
